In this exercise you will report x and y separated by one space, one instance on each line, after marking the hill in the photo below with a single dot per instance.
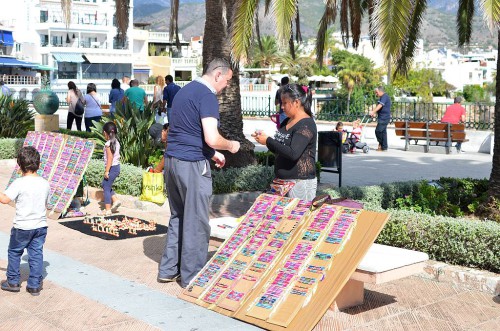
438 28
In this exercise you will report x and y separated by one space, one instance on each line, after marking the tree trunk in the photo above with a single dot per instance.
216 44
494 187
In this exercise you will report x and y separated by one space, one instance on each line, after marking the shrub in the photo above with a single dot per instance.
251 178
452 240
79 134
129 182
133 133
266 158
16 119
9 147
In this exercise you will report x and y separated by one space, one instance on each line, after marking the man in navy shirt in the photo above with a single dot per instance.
383 110
193 138
169 93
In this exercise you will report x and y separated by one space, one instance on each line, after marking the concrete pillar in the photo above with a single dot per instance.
47 122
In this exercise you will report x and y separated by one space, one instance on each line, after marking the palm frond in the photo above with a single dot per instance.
356 14
391 22
298 34
344 21
66 11
242 27
404 59
465 16
491 13
174 20
370 7
267 5
284 11
328 18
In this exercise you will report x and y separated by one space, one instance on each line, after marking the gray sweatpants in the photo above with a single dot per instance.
189 187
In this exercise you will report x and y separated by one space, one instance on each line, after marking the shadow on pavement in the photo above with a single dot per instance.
153 247
373 300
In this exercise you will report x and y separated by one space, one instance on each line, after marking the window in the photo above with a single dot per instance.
44 16
44 40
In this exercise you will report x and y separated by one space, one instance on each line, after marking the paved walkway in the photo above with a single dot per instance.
111 285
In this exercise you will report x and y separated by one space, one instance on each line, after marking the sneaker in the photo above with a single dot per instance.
105 213
115 205
6 286
168 279
34 291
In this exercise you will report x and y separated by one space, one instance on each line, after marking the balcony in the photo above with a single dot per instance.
20 80
76 44
182 61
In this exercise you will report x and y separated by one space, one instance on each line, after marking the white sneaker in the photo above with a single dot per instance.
115 206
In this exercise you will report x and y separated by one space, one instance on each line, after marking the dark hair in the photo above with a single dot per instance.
285 80
110 129
28 159
457 100
339 124
91 88
169 78
134 82
217 63
72 86
115 83
165 126
298 92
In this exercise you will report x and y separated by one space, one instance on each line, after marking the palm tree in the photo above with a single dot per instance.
266 53
352 74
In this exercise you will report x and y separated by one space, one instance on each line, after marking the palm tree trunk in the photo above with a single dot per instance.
494 188
217 31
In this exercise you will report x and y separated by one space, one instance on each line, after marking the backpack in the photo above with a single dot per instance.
79 107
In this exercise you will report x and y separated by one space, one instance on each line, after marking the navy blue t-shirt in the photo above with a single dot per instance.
169 93
384 114
185 135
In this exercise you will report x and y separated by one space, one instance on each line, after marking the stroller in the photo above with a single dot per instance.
353 140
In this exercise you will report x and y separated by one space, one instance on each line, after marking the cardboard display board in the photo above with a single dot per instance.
63 160
284 264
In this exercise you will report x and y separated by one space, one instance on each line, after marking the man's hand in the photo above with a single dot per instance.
372 113
219 159
235 146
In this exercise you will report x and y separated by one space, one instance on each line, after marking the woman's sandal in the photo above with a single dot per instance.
104 213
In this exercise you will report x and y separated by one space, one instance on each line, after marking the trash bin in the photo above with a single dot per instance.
329 148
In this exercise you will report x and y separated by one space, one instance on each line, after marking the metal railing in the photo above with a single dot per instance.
478 115
20 80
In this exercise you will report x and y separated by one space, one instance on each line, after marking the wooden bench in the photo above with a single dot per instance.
381 264
430 133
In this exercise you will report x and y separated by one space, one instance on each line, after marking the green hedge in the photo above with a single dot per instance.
461 241
129 182
457 241
251 178
9 147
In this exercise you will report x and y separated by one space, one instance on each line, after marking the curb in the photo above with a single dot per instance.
469 278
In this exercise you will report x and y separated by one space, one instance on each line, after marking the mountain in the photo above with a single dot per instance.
438 30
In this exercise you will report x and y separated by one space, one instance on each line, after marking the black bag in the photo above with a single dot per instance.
79 108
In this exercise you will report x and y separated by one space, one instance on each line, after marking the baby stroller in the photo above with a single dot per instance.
353 140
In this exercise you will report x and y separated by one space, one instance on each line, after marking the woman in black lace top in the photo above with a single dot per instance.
295 143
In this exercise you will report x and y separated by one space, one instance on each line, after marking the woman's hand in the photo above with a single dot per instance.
260 137
106 175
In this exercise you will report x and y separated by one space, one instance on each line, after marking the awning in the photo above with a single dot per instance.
44 67
108 58
6 38
12 62
68 57
141 71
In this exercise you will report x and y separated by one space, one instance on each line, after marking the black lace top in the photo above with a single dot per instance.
295 150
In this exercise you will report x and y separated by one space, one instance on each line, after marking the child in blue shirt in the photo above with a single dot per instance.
30 193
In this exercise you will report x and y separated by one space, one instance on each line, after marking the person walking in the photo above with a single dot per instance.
93 111
115 95
455 114
74 94
111 168
136 95
193 140
169 93
383 111
4 90
158 106
30 193
125 85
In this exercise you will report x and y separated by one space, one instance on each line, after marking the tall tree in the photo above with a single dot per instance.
218 27
352 75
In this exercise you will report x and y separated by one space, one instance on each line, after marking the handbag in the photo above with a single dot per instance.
79 107
152 187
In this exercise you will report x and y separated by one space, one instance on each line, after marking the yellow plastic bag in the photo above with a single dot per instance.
152 187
